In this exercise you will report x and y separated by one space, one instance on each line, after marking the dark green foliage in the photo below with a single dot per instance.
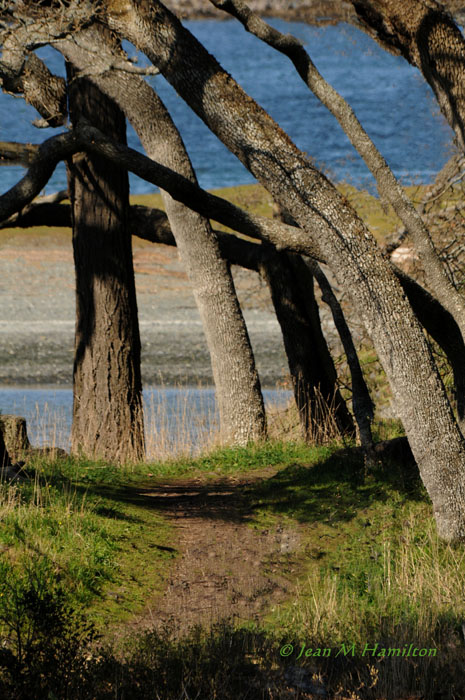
43 639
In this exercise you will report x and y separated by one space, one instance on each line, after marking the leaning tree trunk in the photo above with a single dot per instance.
241 408
107 400
425 34
332 224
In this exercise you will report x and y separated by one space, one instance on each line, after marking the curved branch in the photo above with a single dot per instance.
180 188
425 34
49 154
41 89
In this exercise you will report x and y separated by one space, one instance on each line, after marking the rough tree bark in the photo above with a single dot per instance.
350 250
425 34
41 89
4 456
107 390
240 401
313 375
389 188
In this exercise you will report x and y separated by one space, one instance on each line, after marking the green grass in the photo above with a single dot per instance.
70 515
370 569
94 527
230 460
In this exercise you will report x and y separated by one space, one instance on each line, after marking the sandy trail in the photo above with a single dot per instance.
226 568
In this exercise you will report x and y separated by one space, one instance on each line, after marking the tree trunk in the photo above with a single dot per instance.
322 410
362 404
14 435
107 404
345 242
241 408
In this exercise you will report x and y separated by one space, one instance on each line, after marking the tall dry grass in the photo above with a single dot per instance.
418 586
181 423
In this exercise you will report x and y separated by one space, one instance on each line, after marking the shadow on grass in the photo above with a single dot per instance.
333 489
239 664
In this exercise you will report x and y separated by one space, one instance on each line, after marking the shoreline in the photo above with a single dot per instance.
37 315
317 12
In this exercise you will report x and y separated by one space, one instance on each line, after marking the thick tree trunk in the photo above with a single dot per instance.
241 408
388 187
322 410
14 435
346 244
107 406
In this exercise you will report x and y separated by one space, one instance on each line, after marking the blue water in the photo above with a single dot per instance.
391 99
174 416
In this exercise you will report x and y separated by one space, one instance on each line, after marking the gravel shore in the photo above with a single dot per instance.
37 315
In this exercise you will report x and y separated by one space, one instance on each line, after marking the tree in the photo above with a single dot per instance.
107 391
313 375
240 401
328 228
241 408
358 265
108 419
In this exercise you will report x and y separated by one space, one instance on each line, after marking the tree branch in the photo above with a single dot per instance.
425 34
41 89
13 153
388 186
89 139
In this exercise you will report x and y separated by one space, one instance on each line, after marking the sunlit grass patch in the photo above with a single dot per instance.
94 541
372 565
236 460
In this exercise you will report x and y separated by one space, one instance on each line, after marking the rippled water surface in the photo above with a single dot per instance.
391 99
177 419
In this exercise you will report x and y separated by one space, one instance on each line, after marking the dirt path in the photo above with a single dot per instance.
226 567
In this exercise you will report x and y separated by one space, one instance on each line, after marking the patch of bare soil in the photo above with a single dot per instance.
225 568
